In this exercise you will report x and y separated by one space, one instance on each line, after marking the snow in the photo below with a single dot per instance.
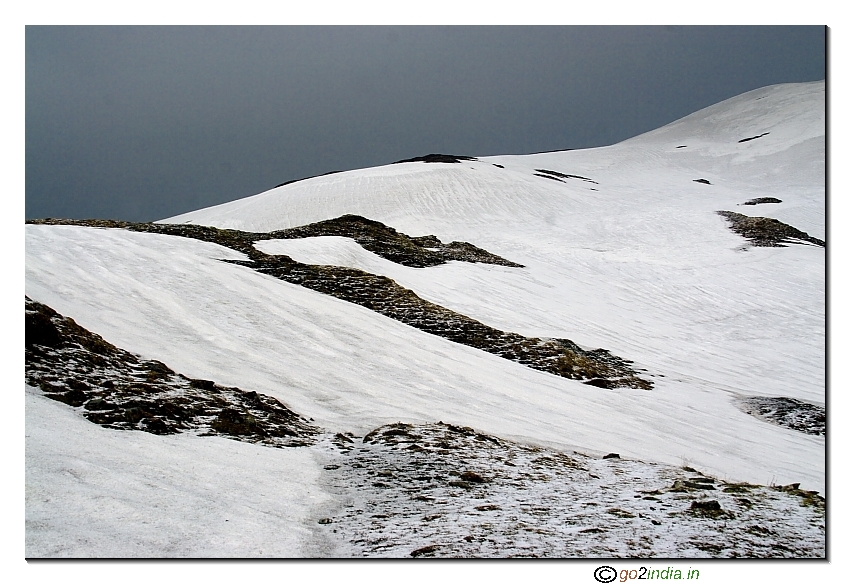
461 494
473 197
639 264
95 492
351 369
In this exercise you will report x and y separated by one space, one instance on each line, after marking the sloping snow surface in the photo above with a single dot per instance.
626 254
95 492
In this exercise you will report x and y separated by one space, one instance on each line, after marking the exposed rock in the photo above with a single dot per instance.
439 158
558 356
809 497
39 329
787 412
388 243
477 478
118 390
538 502
762 200
708 509
430 549
767 232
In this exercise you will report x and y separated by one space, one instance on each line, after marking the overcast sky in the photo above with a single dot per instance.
142 123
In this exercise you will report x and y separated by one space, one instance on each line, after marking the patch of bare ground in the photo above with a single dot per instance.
558 356
439 159
786 412
767 232
440 490
388 243
118 390
762 200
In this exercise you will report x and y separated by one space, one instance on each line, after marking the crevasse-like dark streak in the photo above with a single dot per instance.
752 138
381 294
551 173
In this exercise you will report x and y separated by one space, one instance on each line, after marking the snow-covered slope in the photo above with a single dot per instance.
454 200
624 251
95 492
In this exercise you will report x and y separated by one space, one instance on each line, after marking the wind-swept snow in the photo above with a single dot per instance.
471 197
625 251
351 369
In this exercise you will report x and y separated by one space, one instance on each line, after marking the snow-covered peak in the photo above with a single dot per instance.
456 197
796 110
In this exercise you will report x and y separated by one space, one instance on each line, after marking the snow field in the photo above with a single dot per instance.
352 370
95 492
636 262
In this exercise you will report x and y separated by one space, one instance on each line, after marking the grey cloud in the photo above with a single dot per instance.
141 123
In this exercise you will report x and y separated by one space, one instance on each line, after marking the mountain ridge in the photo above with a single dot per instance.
618 247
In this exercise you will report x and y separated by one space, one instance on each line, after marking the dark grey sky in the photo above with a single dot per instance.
142 123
